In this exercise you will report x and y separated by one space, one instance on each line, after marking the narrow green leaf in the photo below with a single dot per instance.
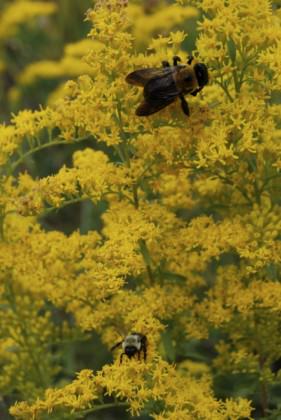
231 49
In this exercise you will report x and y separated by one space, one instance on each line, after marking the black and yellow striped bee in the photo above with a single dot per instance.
162 86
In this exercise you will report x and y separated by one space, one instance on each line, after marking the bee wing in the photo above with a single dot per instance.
161 89
148 108
159 92
142 76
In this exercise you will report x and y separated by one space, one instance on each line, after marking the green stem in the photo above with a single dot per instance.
30 152
236 82
102 407
42 147
244 68
64 204
264 398
135 195
143 247
229 182
123 154
224 87
263 387
79 199
67 203
227 93
268 179
147 259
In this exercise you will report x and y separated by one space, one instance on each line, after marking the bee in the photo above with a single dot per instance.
162 86
134 343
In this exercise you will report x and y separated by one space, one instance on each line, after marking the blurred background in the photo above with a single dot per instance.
34 39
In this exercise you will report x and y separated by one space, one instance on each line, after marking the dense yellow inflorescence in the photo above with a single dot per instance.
191 233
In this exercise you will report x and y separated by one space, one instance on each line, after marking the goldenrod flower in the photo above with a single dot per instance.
189 244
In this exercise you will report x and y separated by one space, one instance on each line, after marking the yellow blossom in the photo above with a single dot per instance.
185 248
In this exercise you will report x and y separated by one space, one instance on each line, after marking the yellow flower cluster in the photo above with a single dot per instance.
137 383
79 394
189 244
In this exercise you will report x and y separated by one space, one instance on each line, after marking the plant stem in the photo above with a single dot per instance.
147 259
41 147
102 407
64 204
264 398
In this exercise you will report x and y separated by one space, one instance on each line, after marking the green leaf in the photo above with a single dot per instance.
231 49
145 253
173 277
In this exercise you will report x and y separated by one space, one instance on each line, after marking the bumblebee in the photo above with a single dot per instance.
162 86
133 344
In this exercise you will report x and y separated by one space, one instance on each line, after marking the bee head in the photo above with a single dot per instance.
132 340
130 351
201 74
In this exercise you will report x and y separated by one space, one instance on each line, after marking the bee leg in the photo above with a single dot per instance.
194 93
184 105
175 60
115 346
139 355
165 64
144 353
144 347
190 59
121 357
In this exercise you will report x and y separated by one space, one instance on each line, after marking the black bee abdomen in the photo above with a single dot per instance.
130 351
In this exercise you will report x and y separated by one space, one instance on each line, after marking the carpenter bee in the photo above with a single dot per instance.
161 86
134 343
